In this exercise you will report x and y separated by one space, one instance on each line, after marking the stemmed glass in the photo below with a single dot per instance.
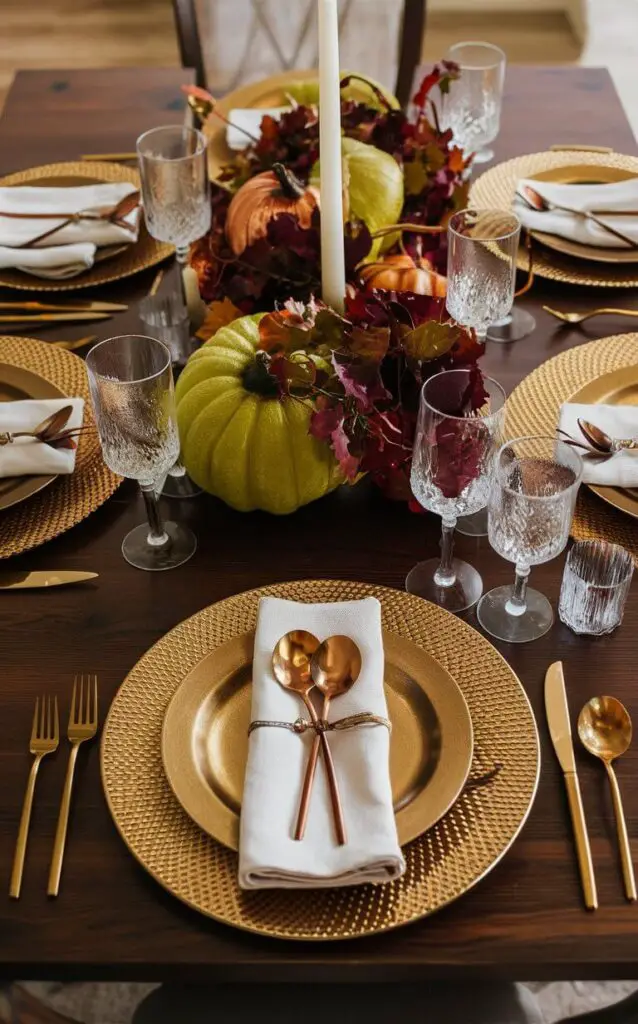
131 382
451 473
472 107
530 507
177 209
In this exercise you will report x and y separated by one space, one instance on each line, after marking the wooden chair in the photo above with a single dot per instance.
232 42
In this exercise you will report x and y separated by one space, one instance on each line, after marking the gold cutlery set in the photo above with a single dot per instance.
604 728
57 312
45 738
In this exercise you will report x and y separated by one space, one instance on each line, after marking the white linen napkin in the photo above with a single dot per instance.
615 420
25 456
46 258
250 120
268 855
620 195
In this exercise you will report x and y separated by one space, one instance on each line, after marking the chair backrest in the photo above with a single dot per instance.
233 42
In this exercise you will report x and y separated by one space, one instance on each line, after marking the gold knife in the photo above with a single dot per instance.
76 343
42 578
91 157
77 306
52 318
560 731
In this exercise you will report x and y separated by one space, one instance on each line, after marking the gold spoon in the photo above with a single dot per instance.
291 667
604 727
602 442
335 667
539 203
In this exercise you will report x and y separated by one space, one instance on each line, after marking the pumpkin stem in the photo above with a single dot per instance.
258 379
289 183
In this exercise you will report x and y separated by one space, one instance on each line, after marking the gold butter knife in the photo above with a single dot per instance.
41 578
72 346
52 318
77 306
557 711
576 147
108 156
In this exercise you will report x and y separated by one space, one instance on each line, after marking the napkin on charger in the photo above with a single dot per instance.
80 239
619 195
619 421
26 456
249 119
268 855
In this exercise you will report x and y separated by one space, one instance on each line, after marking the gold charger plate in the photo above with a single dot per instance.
441 865
269 92
620 387
497 187
69 498
533 408
115 262
205 738
16 384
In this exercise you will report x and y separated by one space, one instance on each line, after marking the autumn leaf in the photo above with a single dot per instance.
430 340
325 419
369 343
415 177
456 160
219 314
420 97
294 374
348 463
283 331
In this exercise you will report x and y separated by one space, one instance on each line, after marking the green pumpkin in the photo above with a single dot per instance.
375 186
358 90
242 442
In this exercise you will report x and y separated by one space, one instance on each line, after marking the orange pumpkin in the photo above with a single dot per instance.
400 273
261 199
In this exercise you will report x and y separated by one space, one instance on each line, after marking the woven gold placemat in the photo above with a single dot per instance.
441 865
533 408
496 188
69 499
146 252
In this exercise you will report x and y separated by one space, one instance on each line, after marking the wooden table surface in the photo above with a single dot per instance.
525 920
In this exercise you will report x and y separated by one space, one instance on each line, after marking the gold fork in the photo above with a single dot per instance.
577 318
82 726
45 736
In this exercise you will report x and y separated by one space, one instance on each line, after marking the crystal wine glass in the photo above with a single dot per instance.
472 107
453 452
530 510
131 382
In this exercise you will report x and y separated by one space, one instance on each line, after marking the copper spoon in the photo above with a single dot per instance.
291 667
335 667
604 727
602 442
538 202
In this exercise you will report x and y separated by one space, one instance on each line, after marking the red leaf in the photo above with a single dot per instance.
325 419
340 441
420 97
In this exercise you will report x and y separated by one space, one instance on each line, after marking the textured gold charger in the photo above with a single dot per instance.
69 499
442 864
496 188
533 408
146 252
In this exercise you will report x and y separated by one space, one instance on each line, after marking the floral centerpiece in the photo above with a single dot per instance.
357 376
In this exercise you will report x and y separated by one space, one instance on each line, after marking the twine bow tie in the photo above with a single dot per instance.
111 215
301 725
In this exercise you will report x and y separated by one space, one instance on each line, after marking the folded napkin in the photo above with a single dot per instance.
268 855
621 195
249 120
616 420
45 257
25 456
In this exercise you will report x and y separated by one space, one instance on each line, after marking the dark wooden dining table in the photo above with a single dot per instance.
526 919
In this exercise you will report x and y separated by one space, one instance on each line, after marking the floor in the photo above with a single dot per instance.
91 33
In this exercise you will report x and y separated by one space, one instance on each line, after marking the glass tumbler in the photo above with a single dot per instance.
472 107
452 461
530 510
131 383
596 582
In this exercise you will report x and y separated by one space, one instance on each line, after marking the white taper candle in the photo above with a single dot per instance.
333 273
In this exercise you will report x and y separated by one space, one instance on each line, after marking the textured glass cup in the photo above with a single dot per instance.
175 186
472 107
131 384
481 267
596 582
530 510
451 470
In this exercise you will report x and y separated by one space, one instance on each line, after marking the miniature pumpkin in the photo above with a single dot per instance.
240 440
261 199
400 273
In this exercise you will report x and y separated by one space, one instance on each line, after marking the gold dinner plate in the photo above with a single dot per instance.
605 268
17 384
267 93
205 738
112 262
620 387
585 174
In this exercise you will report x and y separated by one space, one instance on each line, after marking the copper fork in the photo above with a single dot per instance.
45 736
82 726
